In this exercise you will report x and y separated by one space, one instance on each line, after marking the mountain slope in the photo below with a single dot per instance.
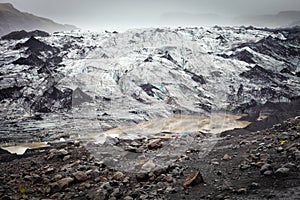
13 19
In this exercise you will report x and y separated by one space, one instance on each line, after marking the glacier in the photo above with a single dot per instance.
71 84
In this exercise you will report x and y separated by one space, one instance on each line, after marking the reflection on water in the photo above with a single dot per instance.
214 124
20 149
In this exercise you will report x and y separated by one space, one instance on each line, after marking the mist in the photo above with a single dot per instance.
101 14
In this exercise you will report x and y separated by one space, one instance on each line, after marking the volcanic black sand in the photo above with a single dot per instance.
261 161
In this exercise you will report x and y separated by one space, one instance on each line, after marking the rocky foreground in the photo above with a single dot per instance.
242 165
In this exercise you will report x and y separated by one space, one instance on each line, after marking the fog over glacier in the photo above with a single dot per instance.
123 14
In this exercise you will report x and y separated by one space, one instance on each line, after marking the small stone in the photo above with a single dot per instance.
267 173
76 143
80 176
116 193
112 140
58 177
57 196
132 149
289 165
149 165
65 182
63 152
160 185
66 158
254 185
264 157
220 196
142 177
126 179
215 163
118 176
282 170
260 164
135 144
128 198
169 179
291 146
226 157
169 189
253 157
97 195
265 167
106 186
143 197
13 176
297 155
49 170
244 142
53 151
87 185
244 166
193 179
154 144
280 149
242 191
28 178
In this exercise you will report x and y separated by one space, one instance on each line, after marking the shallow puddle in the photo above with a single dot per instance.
20 149
214 124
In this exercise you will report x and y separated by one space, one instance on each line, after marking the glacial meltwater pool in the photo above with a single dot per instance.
213 124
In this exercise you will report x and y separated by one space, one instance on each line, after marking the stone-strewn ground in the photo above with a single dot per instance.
243 165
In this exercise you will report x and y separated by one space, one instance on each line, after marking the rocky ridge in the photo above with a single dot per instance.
14 20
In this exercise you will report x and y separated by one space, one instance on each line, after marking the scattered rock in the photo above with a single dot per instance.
244 166
254 185
141 177
80 176
128 198
148 165
66 158
58 177
118 176
297 155
63 152
226 157
265 167
268 173
280 149
61 184
282 170
116 193
264 157
49 170
154 144
169 189
106 186
215 163
193 179
242 191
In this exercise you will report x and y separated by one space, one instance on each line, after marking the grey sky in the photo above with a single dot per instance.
97 14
